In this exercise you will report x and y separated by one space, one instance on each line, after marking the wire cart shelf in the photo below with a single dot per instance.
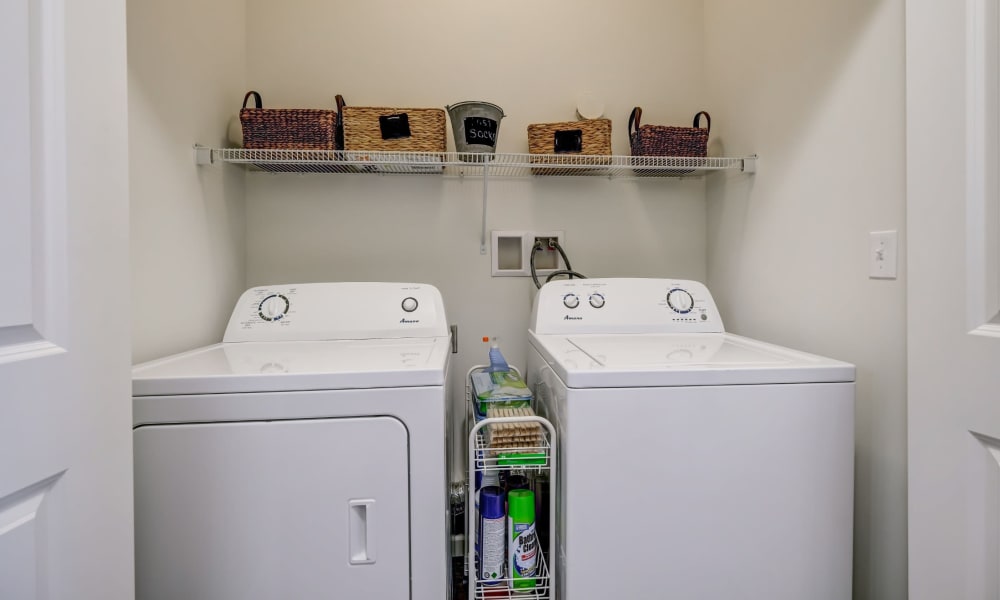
533 459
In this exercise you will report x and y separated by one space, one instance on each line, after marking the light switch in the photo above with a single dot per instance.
882 254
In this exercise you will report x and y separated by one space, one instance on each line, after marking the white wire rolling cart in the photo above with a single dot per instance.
481 459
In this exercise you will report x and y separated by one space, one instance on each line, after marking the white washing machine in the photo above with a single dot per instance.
694 464
304 456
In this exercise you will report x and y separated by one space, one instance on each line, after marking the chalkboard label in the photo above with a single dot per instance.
480 130
394 126
569 141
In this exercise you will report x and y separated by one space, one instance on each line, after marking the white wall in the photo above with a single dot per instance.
186 75
817 88
530 58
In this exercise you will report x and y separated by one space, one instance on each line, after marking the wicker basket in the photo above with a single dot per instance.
564 144
394 129
590 137
659 140
287 128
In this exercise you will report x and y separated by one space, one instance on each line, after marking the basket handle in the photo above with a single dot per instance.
708 119
634 117
339 129
256 97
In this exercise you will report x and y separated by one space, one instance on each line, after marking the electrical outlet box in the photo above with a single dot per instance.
512 250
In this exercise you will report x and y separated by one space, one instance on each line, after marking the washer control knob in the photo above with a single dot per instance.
596 300
410 304
571 301
680 300
273 308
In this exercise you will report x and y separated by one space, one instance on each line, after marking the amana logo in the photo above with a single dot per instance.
405 320
569 318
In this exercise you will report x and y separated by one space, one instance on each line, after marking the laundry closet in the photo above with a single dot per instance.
814 90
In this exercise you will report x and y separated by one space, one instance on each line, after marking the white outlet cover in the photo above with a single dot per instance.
882 254
527 242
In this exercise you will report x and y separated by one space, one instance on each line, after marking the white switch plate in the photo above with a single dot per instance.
882 255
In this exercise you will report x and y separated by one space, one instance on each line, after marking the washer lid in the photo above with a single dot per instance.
289 366
661 360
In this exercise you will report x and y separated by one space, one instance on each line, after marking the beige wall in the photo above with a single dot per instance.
186 75
817 88
530 58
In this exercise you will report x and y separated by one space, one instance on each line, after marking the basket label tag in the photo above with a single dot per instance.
568 141
394 126
480 130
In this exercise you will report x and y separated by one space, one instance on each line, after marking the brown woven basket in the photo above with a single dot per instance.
287 128
589 137
564 142
394 129
660 140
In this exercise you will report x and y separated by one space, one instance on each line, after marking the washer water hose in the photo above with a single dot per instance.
568 271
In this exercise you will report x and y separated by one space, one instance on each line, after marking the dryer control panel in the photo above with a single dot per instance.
337 311
625 306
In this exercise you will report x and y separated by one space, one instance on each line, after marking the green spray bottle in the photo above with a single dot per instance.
522 543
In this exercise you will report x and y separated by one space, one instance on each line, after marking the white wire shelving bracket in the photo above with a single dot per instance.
461 164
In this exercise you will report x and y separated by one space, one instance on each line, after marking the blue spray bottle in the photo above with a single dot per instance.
498 364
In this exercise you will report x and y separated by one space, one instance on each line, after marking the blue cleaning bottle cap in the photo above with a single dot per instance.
491 502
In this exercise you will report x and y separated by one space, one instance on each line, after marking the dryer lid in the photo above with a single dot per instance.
290 366
661 360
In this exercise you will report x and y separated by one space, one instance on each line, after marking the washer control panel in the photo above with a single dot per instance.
625 306
331 311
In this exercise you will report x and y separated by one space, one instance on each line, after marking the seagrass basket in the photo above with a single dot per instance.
394 129
287 128
590 137
567 143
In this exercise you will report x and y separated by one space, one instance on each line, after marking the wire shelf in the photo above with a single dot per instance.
477 164
522 458
527 459
501 588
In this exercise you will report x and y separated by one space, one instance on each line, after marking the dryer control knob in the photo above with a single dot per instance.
410 304
273 308
596 300
680 300
571 301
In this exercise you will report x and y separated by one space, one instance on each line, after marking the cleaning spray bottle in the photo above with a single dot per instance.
498 364
492 536
498 385
522 543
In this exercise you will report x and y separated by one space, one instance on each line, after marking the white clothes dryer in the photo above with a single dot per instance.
693 463
302 457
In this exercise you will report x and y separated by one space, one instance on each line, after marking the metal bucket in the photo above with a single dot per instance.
476 126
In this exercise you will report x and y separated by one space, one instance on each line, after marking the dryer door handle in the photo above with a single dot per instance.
361 521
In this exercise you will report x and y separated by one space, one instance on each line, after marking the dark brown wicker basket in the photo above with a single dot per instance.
660 140
287 128
394 129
